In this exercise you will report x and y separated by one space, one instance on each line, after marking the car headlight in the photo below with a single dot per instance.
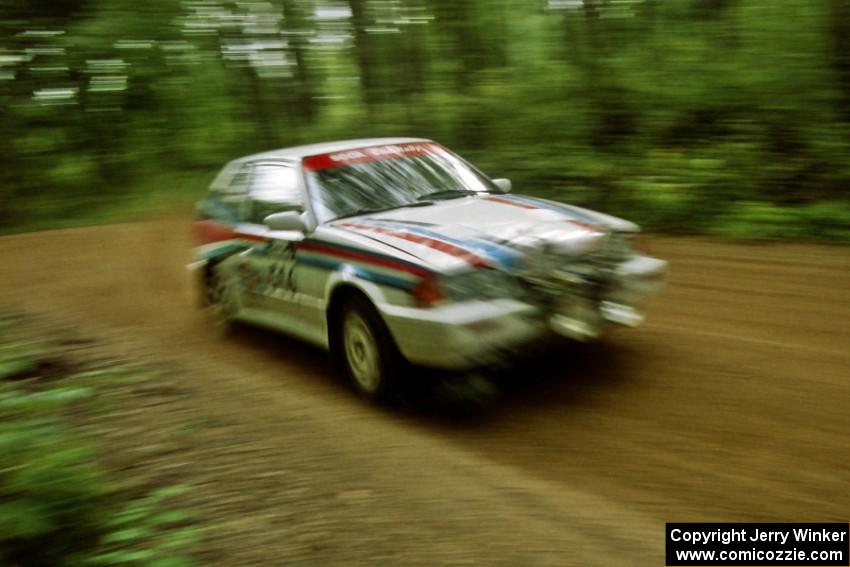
481 283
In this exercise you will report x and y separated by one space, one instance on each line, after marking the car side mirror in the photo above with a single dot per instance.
285 221
503 184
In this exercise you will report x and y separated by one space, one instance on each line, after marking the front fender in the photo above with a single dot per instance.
347 275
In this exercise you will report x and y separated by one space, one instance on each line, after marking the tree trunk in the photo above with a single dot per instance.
363 53
294 23
840 31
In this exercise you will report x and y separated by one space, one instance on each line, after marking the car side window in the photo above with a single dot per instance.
273 189
228 197
239 182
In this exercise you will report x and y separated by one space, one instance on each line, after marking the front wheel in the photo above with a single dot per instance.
369 355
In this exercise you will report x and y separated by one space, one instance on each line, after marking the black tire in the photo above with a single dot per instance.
368 354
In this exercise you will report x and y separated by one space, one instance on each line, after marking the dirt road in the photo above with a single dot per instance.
730 404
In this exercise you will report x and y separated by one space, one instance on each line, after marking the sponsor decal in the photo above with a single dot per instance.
279 280
371 153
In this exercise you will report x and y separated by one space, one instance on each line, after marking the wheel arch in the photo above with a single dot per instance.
342 292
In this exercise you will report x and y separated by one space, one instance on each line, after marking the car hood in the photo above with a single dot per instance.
491 230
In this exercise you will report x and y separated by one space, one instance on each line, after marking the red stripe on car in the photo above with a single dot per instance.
590 227
330 250
585 225
509 202
210 231
367 154
439 245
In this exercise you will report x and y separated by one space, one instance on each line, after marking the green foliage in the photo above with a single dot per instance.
141 533
57 507
51 497
824 220
679 114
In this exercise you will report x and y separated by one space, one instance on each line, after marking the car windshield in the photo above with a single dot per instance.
386 177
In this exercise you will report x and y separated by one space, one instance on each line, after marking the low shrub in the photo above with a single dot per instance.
57 506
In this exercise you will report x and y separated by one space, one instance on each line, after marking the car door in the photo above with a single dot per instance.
274 187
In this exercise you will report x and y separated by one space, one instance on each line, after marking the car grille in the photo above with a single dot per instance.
553 272
616 247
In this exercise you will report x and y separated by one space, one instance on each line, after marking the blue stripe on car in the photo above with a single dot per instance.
368 275
504 256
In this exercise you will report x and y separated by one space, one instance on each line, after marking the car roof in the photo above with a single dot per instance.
298 152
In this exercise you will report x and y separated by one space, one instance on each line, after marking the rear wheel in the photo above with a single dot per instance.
368 354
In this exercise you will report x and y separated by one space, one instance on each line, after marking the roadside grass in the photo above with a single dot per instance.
58 505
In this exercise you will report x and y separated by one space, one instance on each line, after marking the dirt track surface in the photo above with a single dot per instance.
730 404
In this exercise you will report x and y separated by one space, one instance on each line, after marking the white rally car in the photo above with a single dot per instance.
394 251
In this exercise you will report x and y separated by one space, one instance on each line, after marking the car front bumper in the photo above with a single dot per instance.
476 333
463 335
